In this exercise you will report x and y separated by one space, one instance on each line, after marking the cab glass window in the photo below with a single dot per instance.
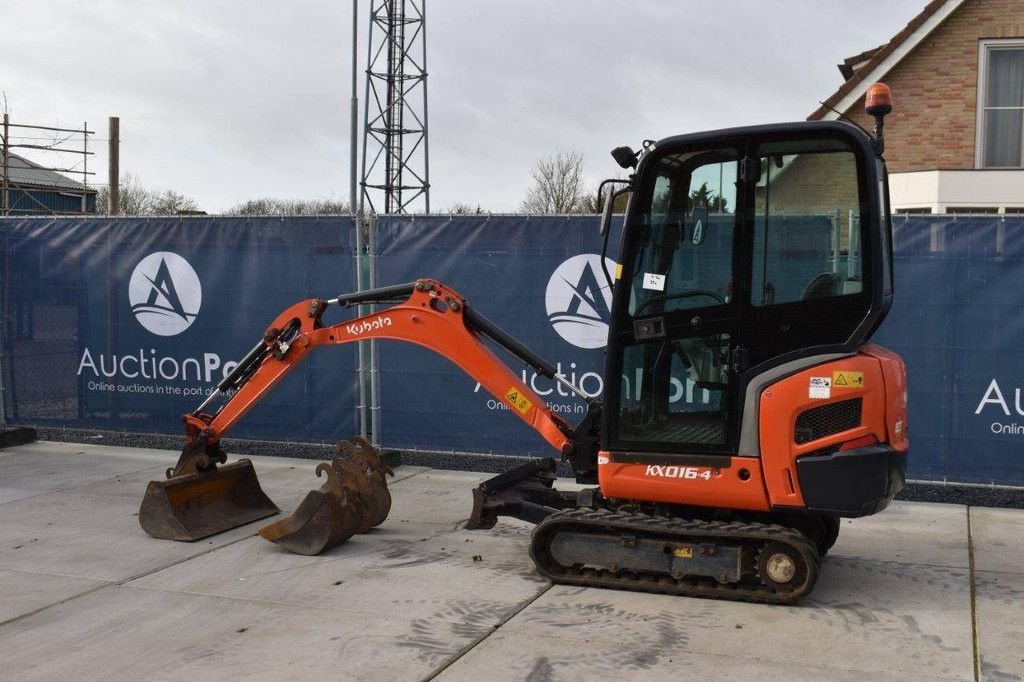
806 241
683 257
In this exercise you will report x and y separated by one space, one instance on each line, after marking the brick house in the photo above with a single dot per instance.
955 142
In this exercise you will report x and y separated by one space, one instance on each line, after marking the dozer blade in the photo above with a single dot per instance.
200 499
325 518
526 493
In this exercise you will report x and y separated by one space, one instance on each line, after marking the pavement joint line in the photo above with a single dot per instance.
479 640
47 574
998 571
211 595
975 633
57 603
119 583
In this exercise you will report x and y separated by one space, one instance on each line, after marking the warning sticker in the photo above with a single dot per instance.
653 281
683 552
518 400
618 271
820 388
845 379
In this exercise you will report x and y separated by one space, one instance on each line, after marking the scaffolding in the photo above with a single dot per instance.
55 143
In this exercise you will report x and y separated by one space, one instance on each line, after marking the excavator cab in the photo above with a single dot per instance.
743 250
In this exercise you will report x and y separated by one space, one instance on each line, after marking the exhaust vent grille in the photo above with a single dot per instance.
826 420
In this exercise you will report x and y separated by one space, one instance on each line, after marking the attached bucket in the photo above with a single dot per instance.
325 518
196 505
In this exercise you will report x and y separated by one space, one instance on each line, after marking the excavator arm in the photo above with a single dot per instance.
199 499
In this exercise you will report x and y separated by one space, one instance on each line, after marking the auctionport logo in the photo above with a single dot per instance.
579 300
165 293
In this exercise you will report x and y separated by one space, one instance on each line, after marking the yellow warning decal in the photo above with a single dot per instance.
518 400
618 271
683 552
845 379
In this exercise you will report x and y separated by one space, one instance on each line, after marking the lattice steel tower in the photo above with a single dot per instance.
395 173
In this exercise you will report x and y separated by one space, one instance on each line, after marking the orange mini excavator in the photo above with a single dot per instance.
745 412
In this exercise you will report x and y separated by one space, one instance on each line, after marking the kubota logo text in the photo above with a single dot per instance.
579 300
367 325
165 293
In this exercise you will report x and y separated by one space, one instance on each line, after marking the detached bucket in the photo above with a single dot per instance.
196 505
353 499
368 476
325 518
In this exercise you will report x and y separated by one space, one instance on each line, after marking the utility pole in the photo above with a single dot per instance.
114 166
354 115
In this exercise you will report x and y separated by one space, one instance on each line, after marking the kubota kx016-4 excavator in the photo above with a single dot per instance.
745 412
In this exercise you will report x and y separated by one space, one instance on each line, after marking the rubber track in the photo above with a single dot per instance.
750 589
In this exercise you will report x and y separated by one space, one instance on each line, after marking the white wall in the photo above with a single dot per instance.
941 190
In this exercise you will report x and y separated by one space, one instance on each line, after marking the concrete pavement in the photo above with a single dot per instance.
920 591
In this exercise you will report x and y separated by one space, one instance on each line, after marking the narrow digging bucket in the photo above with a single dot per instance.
325 518
196 505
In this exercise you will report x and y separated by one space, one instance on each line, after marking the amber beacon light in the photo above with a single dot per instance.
878 103
878 100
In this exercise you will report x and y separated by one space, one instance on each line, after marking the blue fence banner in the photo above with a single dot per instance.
125 324
958 321
539 278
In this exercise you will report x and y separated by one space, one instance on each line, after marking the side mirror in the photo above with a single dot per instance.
698 225
609 200
606 212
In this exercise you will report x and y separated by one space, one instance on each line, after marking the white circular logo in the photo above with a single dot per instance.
165 293
579 300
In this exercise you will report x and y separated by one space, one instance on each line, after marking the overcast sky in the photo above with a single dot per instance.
233 100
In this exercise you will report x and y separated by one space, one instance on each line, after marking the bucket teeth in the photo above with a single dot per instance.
199 499
353 499
369 474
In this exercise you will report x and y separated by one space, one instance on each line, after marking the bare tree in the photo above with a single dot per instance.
137 199
558 185
462 208
272 206
134 198
170 202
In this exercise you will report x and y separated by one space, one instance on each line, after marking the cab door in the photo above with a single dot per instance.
675 328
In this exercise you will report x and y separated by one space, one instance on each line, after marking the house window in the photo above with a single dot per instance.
971 210
1001 104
